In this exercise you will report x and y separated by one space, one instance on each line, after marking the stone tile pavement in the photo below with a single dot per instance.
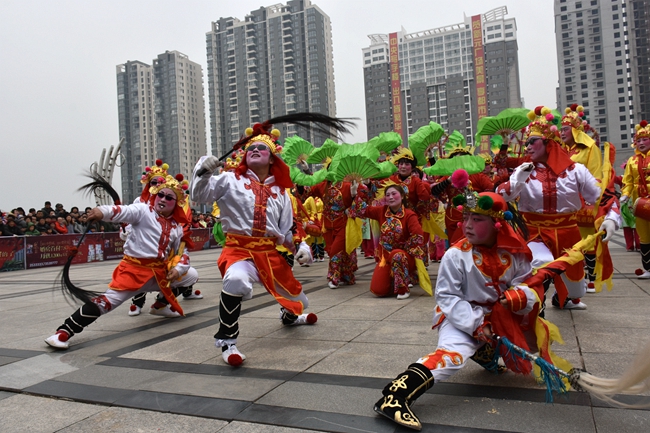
152 374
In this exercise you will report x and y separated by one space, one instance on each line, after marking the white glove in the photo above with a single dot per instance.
210 164
353 188
303 255
522 173
609 227
623 199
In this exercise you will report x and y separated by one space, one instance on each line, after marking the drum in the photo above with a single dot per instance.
313 230
641 208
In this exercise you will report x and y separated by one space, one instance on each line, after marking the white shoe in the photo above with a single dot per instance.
134 310
232 356
196 294
644 276
306 319
410 286
166 311
591 288
572 305
404 296
321 259
55 342
331 285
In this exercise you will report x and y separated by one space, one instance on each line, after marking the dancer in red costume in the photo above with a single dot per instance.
401 241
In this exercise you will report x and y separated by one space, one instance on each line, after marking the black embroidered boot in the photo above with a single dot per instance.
401 392
74 324
645 261
229 310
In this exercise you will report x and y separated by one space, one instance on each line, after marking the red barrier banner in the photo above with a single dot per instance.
200 237
12 253
54 250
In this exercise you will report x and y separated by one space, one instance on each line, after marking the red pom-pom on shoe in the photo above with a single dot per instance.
235 360
63 336
312 318
638 272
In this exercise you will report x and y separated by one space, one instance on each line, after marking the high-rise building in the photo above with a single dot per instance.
599 67
277 61
161 116
639 11
452 75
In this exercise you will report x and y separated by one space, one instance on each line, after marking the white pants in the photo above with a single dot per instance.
455 347
542 255
240 277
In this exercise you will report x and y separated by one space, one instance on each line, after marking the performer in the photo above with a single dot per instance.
635 190
314 228
150 178
480 292
401 241
445 191
418 192
256 215
551 189
154 255
584 150
336 197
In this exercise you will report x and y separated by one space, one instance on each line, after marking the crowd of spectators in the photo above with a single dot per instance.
50 221
57 220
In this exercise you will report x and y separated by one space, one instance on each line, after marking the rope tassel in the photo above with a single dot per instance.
633 381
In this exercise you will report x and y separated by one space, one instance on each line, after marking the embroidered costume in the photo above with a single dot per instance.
474 282
636 191
401 241
152 250
549 196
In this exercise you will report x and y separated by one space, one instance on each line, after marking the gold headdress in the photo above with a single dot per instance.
233 162
642 129
158 170
178 184
403 153
543 124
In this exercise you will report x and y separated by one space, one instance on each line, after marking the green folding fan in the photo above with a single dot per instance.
421 140
296 150
445 167
385 142
355 162
505 123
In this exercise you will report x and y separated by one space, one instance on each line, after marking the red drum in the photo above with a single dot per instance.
641 208
313 230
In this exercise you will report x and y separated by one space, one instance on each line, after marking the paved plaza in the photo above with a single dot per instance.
152 374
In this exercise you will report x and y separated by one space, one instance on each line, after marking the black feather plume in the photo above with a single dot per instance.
98 182
321 122
70 291
312 121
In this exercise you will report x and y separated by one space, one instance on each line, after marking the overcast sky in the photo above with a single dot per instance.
58 86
